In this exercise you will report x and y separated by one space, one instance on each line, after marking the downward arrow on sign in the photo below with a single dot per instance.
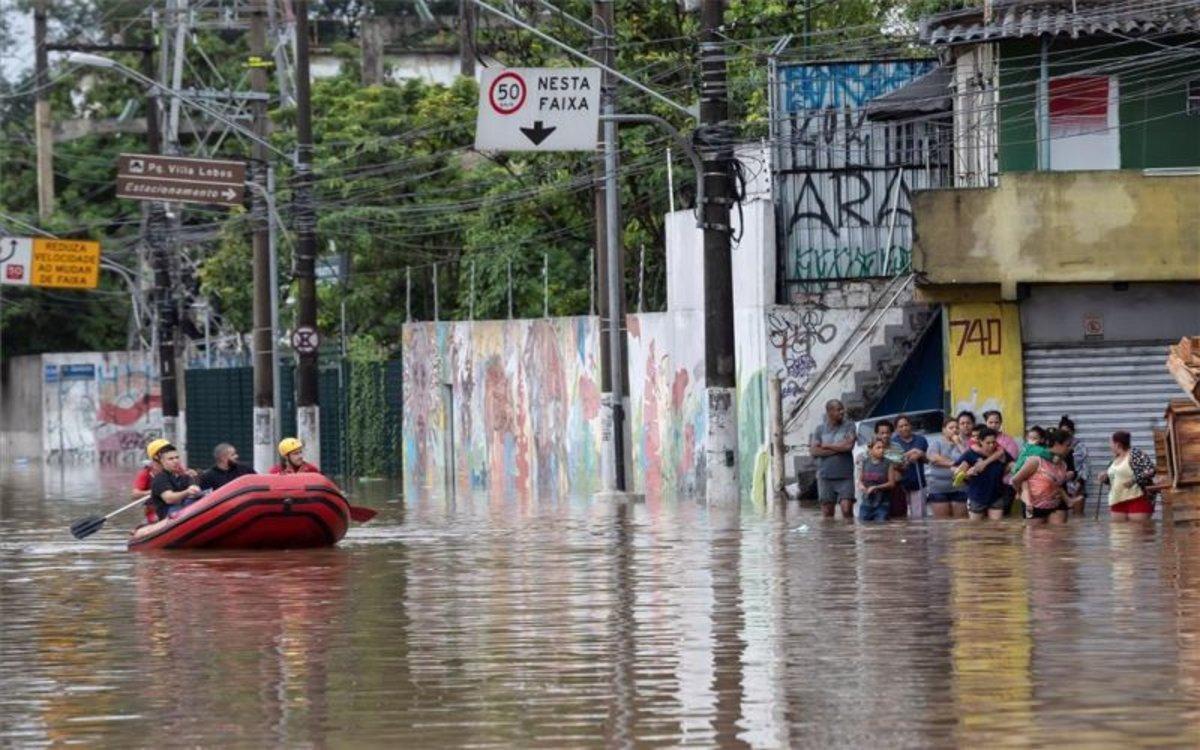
538 132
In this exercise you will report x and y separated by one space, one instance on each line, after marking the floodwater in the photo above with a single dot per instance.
484 624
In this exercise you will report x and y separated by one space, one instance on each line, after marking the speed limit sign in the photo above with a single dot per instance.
507 93
538 109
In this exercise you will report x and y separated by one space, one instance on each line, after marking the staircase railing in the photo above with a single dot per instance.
862 332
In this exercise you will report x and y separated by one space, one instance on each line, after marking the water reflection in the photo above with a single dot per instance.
568 623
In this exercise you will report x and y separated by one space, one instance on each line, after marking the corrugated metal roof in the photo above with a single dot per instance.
1059 18
925 95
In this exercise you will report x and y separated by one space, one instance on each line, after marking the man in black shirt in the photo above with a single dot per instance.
172 487
225 470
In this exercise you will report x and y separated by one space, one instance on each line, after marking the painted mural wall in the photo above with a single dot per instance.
666 401
99 406
983 360
505 407
845 182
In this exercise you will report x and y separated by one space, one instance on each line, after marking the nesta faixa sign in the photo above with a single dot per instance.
538 109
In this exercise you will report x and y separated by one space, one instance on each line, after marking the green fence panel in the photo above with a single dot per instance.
332 419
220 406
360 414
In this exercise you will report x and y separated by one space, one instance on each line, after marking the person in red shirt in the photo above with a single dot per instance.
142 480
291 455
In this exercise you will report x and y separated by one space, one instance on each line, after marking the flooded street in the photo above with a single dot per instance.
584 625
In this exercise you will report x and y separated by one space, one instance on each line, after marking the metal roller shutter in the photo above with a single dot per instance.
1103 388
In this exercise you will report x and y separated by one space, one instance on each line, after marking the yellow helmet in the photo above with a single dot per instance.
154 447
289 445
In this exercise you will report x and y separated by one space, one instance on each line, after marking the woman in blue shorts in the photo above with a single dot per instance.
945 450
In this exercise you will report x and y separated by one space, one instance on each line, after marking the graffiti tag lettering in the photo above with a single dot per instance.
794 337
836 85
846 182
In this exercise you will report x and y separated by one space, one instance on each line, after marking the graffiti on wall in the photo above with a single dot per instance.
849 262
837 85
793 334
845 182
509 408
100 407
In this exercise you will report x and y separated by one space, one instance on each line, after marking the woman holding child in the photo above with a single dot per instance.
1040 477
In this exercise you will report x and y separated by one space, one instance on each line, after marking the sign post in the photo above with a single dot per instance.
538 109
149 177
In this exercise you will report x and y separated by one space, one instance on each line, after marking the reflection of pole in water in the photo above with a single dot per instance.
728 622
619 727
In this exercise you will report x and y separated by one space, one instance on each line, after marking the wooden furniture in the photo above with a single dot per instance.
1177 459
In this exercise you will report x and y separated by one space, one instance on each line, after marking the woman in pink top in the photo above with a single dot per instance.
1044 480
995 421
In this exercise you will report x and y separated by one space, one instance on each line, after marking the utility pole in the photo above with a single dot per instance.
308 423
158 241
467 15
721 446
43 136
264 387
609 262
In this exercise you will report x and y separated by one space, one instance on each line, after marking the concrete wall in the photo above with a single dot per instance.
667 404
21 421
506 407
668 350
1070 313
806 338
1060 227
99 406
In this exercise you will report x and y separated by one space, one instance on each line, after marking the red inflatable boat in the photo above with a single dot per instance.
258 511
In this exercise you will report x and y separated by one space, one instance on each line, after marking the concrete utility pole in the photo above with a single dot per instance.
721 446
308 423
613 375
264 387
158 240
43 136
467 15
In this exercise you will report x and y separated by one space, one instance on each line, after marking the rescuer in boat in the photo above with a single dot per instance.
145 477
225 470
291 455
172 487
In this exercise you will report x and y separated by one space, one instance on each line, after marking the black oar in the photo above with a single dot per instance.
85 527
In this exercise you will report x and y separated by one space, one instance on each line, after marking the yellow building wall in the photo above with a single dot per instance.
983 361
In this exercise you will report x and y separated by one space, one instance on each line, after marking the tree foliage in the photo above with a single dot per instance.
401 192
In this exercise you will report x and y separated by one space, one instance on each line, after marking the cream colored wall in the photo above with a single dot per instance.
1041 227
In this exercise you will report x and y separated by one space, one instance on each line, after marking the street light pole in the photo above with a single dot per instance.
107 63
